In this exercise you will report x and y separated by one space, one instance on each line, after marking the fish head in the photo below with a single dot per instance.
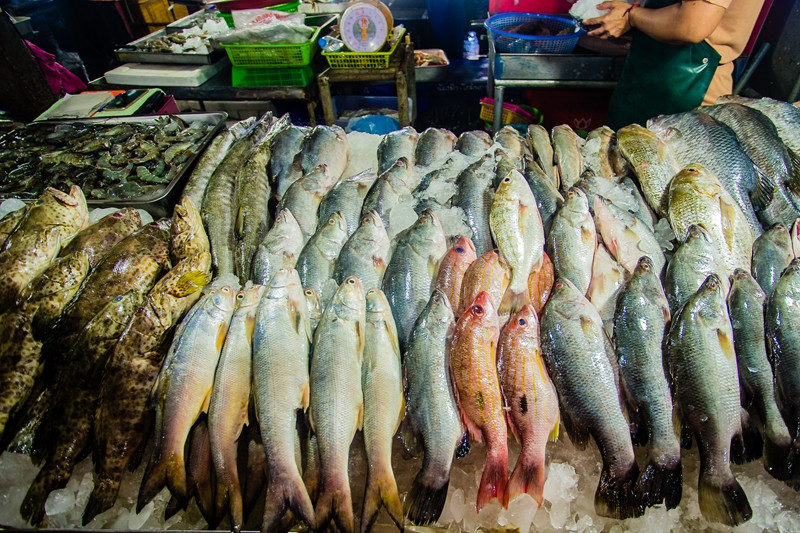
283 279
427 229
376 301
696 232
312 300
741 280
250 297
350 294
372 227
464 248
337 223
482 309
576 201
525 323
221 300
644 265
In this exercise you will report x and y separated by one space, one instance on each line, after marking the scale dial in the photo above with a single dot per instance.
365 26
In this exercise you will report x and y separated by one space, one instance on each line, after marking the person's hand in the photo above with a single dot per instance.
614 23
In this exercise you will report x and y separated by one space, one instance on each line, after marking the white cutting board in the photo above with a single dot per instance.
158 75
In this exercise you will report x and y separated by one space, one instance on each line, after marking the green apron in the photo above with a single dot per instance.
660 78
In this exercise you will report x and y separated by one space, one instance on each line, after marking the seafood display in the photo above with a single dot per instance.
317 293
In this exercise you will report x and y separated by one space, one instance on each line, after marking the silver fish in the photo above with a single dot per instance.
572 240
474 143
317 260
690 265
304 196
284 167
347 197
772 253
567 155
397 144
279 249
542 150
433 146
474 196
365 254
325 145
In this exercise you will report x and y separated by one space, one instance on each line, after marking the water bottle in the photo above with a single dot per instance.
471 46
330 44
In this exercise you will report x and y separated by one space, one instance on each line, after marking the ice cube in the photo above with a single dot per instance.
138 520
521 511
401 217
363 150
560 512
59 501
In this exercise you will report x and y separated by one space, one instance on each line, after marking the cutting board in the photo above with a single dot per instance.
163 75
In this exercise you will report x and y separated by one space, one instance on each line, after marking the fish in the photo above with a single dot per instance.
626 236
182 391
572 240
230 397
530 400
419 250
337 405
542 151
397 144
281 345
548 198
474 143
575 353
325 145
474 195
696 196
347 197
10 222
317 260
97 239
280 247
452 269
784 115
640 321
384 407
284 167
366 253
433 146
540 284
567 155
432 420
489 272
517 229
601 156
704 379
188 237
473 367
772 253
746 301
200 474
512 142
616 193
313 307
694 260
608 277
303 197
389 190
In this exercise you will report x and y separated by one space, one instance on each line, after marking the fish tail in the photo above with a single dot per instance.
335 504
286 491
778 453
426 498
748 445
228 496
381 489
616 495
176 479
102 497
494 478
724 502
49 478
155 479
792 469
527 477
172 508
662 483
513 301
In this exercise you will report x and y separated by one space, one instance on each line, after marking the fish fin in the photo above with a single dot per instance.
510 423
726 343
747 445
381 490
155 479
175 477
527 477
553 435
792 471
102 498
173 507
335 504
190 283
494 478
726 503
286 491
777 455
616 496
793 183
728 212
661 483
512 301
462 448
306 398
408 433
238 225
764 190
360 419
578 435
426 499
33 506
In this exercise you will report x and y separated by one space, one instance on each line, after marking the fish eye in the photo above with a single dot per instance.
459 250
522 322
371 291
240 296
559 285
691 170
712 285
309 292
477 309
507 180
351 281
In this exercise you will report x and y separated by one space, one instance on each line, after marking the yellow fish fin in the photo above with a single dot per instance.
190 283
726 343
553 436
361 341
306 398
360 422
728 215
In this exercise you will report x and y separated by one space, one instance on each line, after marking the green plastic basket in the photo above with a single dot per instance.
363 60
273 55
272 77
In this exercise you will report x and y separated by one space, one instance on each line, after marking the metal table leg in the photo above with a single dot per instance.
498 107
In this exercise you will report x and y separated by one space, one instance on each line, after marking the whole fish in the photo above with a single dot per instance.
772 253
746 306
567 155
303 197
517 229
347 197
640 321
705 383
474 143
601 156
626 236
474 195
452 269
182 390
513 143
433 146
542 151
97 239
574 350
281 343
384 406
690 265
337 404
390 189
548 199
365 254
489 273
530 399
608 277
230 396
188 237
540 284
279 249
317 260
284 167
419 250
431 411
325 145
473 367
572 240
397 144
784 115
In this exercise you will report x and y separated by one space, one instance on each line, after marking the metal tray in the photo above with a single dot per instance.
432 72
160 203
129 54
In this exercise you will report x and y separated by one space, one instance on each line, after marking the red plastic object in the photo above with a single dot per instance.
530 6
582 109
227 6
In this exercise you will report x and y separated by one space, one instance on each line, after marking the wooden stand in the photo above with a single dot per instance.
400 71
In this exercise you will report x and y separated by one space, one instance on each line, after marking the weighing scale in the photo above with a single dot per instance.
365 26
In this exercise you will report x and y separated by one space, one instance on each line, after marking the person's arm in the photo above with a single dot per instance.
686 22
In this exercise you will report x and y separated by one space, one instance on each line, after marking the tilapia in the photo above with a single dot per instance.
608 277
284 167
772 253
601 156
317 260
640 321
279 249
325 145
365 254
572 240
627 237
490 273
303 197
542 151
784 115
513 143
474 195
474 143
701 360
452 269
433 146
548 199
575 352
690 265
530 399
567 155
347 197
397 144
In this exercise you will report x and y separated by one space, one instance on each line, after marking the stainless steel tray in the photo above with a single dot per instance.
129 54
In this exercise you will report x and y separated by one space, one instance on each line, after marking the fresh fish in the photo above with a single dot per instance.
284 169
384 406
540 284
513 143
303 197
347 197
601 156
473 367
313 307
281 344
182 390
746 306
693 261
365 254
530 399
548 199
200 475
317 260
474 143
325 145
705 382
517 229
433 146
431 411
397 144
474 195
97 239
452 269
772 253
640 322
490 273
567 155
714 209
279 249
627 237
608 277
784 115
188 237
337 405
572 240
230 396
542 150
503 165
574 349
389 190
419 250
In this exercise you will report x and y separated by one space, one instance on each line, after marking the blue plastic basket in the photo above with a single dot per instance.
517 43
